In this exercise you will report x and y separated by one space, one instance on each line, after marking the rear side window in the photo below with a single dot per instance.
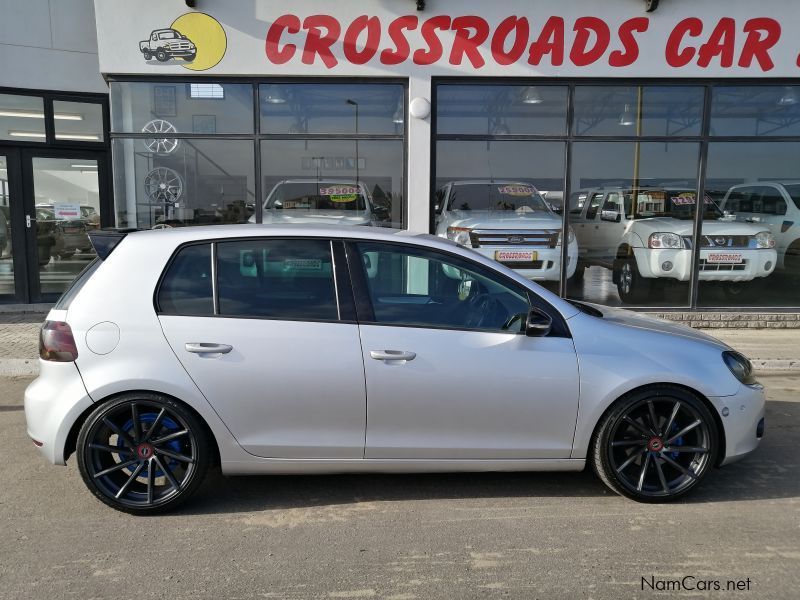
77 285
277 279
186 288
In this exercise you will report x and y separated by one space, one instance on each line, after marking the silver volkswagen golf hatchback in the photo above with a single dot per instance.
278 349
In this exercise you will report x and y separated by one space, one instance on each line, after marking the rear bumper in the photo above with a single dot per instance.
743 424
53 402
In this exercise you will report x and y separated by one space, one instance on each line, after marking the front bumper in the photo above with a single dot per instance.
755 263
182 52
546 267
743 423
53 402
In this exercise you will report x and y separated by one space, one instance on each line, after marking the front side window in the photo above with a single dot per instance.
416 287
276 279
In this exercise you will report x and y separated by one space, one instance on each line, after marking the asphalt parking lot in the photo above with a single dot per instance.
407 536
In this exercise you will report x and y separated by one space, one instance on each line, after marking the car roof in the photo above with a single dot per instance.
325 180
277 230
490 182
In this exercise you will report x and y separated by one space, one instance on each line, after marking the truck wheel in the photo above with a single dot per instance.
147 54
631 286
162 55
791 261
580 271
190 57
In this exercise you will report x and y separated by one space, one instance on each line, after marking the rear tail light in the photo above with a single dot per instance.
56 342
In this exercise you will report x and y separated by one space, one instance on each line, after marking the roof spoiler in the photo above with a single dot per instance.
106 239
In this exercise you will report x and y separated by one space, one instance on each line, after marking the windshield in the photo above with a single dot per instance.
323 195
676 204
518 197
168 35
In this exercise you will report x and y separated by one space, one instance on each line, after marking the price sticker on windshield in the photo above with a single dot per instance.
515 190
339 190
687 199
343 198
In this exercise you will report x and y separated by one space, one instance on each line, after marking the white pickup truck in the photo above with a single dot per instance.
507 221
167 43
774 205
321 202
655 242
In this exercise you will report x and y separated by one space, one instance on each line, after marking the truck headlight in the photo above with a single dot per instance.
570 237
741 368
665 240
460 235
764 239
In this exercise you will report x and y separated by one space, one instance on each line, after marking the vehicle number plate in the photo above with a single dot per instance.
515 255
727 258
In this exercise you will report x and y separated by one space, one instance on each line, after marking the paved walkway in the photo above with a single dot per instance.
768 349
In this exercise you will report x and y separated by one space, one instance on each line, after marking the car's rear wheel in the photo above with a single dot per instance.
147 54
143 453
655 445
631 286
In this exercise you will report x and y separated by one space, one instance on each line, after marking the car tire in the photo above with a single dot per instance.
162 55
143 453
631 286
791 261
147 54
190 57
580 272
655 445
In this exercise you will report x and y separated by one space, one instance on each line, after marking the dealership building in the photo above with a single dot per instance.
573 140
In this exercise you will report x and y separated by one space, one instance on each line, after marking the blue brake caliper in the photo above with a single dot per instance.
166 423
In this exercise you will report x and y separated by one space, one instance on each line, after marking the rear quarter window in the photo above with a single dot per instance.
186 287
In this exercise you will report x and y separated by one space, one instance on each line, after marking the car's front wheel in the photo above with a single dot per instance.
143 453
162 55
655 445
631 286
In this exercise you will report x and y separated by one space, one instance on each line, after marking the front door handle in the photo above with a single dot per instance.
206 348
392 355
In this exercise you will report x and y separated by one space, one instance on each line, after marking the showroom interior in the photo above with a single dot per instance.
606 155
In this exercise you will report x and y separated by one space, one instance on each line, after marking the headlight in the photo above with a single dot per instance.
739 366
665 240
460 235
764 239
570 237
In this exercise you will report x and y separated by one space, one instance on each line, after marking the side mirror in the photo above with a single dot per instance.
610 215
538 323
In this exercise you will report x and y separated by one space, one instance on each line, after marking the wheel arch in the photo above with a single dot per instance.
72 437
699 395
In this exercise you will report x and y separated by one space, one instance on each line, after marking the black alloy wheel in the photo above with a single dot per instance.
656 445
143 453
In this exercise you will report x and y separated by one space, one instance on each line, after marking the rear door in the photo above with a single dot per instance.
276 349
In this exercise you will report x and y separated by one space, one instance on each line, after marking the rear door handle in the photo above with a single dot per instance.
206 348
392 355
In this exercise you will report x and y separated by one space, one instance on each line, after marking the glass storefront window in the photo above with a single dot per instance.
310 108
22 118
504 199
78 121
755 110
632 209
750 253
615 110
6 252
501 109
67 208
196 182
173 107
343 182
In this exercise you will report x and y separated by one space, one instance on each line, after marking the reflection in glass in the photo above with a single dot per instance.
142 107
501 109
67 209
21 118
6 252
200 182
341 182
632 209
504 199
755 258
78 121
755 110
302 108
638 110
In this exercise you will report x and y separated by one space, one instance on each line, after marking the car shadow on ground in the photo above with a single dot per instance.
772 472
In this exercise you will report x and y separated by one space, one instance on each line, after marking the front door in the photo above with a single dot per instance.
273 350
449 373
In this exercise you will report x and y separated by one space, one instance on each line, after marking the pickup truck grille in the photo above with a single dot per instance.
179 46
543 238
707 266
722 241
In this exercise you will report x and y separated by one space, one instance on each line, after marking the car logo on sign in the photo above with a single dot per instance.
516 239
